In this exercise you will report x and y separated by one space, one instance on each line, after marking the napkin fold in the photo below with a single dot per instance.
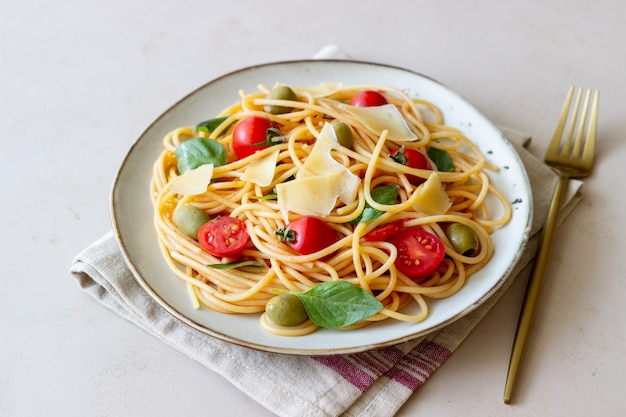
372 383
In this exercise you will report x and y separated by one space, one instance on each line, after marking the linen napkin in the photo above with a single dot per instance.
372 383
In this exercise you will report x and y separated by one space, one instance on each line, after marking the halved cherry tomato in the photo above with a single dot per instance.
225 236
384 231
308 234
412 158
253 134
419 252
368 98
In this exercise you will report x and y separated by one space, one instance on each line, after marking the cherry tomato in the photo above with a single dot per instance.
308 234
224 237
368 98
412 158
384 231
419 252
251 135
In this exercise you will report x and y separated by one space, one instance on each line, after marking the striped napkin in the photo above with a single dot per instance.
372 383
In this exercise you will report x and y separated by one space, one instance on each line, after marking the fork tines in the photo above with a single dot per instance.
581 131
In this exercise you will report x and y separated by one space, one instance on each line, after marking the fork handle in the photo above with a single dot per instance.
533 289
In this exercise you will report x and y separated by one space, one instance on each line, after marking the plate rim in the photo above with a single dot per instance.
181 318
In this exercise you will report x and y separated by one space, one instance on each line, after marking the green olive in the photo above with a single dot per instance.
282 92
343 133
286 310
189 219
463 239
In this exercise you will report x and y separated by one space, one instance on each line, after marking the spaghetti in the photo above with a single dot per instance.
369 264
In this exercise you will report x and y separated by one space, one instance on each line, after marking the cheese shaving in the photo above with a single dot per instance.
321 90
194 181
385 117
314 195
321 162
320 183
260 171
432 198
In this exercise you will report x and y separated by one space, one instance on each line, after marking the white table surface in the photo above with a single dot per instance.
80 80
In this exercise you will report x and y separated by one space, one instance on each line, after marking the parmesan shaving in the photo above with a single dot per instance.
322 90
432 198
260 171
385 117
321 162
194 181
314 195
320 183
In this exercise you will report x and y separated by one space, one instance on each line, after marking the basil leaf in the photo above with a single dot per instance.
210 125
338 304
200 151
385 194
441 158
233 265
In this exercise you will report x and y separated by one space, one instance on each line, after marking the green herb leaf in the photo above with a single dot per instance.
385 194
273 136
285 235
442 159
233 265
400 156
270 196
210 125
200 151
338 303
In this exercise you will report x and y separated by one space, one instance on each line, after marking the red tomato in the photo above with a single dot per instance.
368 98
249 133
224 237
308 234
419 252
384 231
412 158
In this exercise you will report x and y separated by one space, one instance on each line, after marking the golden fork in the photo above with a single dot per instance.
570 160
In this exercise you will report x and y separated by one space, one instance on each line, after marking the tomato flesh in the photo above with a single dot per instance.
368 98
308 234
224 237
248 133
419 252
384 232
412 158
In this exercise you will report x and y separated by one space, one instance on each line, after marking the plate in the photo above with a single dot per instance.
131 207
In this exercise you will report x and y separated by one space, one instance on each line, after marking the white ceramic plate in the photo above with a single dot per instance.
132 208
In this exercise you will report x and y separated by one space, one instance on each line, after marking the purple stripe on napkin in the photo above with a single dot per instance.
351 372
362 369
413 370
410 370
